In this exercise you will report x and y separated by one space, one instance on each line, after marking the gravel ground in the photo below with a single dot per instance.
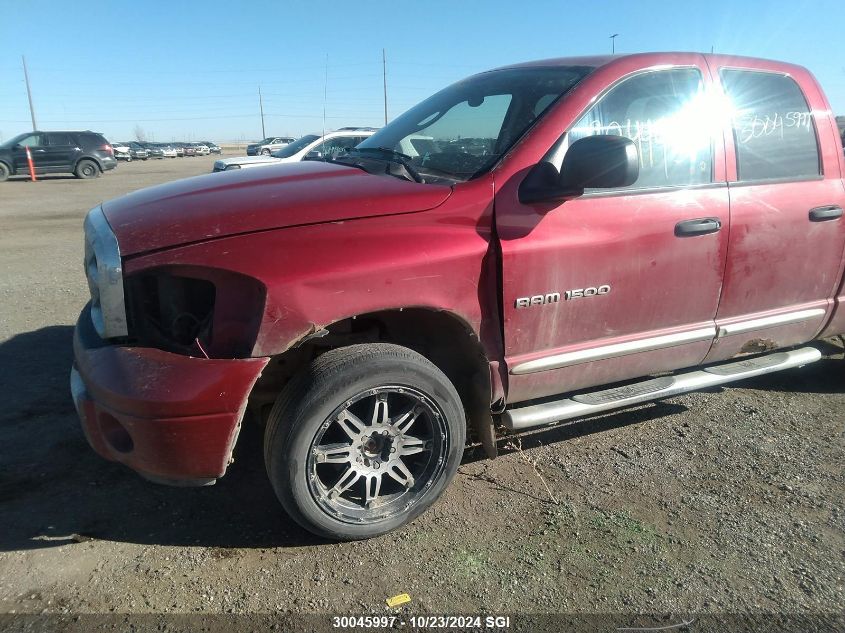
725 501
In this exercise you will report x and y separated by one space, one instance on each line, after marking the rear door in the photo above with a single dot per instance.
621 283
787 232
60 149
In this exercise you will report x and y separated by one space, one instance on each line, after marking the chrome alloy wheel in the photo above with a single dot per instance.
377 454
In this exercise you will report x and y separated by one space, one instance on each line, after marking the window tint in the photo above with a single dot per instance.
664 114
55 139
772 125
89 140
33 140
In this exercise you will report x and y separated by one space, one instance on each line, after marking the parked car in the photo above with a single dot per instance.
180 149
138 151
121 151
213 148
153 150
650 237
268 145
310 146
188 149
202 149
85 154
168 150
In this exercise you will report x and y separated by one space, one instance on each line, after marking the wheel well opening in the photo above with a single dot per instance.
443 338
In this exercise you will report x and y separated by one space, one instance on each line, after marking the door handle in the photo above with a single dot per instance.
699 226
40 150
822 214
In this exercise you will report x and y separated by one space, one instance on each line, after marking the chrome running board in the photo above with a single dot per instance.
586 404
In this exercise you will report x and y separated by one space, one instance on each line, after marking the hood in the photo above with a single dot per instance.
243 201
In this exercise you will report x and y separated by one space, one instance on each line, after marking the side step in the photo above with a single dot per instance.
589 403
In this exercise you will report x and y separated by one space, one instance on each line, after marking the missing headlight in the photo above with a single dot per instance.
171 312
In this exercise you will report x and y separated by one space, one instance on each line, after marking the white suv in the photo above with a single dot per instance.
311 146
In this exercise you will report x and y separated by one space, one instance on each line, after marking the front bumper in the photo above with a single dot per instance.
172 418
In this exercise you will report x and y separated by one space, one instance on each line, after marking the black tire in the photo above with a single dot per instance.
309 404
265 152
86 169
4 172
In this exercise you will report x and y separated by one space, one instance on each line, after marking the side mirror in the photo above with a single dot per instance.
602 161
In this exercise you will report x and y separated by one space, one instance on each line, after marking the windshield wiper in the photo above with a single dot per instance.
391 156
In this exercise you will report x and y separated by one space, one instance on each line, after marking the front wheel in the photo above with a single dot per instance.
4 172
265 152
87 169
364 440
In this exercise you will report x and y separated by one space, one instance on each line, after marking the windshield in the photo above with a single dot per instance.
462 131
289 150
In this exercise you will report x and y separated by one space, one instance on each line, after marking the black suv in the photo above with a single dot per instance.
85 154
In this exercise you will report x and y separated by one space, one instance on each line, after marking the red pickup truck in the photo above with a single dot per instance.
532 244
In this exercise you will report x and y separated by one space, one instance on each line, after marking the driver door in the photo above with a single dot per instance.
35 143
616 284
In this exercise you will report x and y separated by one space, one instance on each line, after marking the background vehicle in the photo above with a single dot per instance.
268 145
213 148
153 150
122 151
202 150
367 307
85 154
168 150
137 151
188 149
310 146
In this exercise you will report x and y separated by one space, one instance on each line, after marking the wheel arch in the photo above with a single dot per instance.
93 159
441 336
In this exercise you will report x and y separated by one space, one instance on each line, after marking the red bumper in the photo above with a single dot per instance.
172 418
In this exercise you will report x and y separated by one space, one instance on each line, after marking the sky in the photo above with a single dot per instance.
191 70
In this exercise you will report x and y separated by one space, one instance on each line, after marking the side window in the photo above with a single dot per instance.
773 127
33 140
55 139
665 114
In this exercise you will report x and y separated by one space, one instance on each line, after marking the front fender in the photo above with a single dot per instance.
319 274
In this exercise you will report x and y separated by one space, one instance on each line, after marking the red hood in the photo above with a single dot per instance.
271 197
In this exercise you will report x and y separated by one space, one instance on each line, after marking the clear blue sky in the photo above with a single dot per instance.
190 70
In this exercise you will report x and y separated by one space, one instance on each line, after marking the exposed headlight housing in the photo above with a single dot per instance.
104 272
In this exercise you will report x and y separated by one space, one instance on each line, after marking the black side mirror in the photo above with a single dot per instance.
601 161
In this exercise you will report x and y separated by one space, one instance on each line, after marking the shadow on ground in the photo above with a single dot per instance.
55 490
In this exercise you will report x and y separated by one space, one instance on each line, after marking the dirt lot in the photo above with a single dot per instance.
731 500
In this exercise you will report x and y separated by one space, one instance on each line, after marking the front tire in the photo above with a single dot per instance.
4 172
265 152
86 169
364 440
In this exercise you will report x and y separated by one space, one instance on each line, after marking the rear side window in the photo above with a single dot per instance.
55 139
90 140
664 114
773 127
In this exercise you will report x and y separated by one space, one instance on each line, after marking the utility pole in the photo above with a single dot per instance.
384 76
28 93
613 43
261 108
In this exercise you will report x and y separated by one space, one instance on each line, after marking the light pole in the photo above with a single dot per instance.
613 43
